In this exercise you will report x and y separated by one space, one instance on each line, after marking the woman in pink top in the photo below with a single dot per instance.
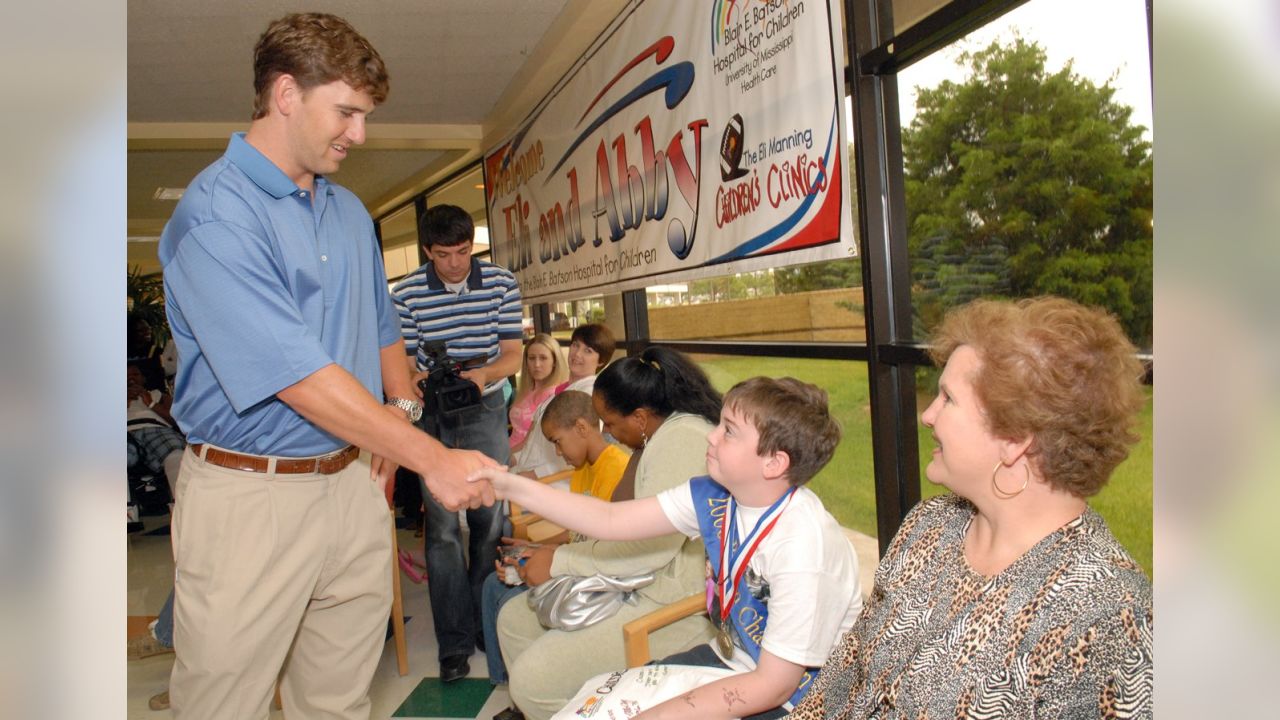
590 348
544 368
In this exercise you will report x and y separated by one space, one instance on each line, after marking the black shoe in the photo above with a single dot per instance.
509 714
454 667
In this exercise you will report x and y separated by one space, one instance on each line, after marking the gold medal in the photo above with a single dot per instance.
724 641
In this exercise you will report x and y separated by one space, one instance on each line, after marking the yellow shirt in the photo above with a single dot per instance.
602 476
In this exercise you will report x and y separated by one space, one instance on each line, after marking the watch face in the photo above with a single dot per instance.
411 409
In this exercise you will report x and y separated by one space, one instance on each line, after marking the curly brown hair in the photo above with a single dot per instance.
1056 371
316 49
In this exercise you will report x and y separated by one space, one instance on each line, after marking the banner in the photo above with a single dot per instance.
691 139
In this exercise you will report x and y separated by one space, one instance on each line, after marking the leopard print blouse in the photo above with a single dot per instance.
1063 632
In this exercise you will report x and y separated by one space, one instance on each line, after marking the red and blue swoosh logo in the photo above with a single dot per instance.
674 81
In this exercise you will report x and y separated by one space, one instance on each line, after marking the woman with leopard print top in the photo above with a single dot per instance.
1009 598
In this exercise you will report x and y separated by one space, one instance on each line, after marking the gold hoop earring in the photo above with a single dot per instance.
1002 494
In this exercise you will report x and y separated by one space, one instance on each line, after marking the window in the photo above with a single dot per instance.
1028 170
847 484
1027 155
399 242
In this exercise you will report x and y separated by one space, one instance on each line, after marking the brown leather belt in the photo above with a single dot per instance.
325 464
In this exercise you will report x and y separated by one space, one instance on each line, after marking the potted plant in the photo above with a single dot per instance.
145 322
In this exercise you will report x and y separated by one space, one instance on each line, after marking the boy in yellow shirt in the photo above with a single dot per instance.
573 427
571 424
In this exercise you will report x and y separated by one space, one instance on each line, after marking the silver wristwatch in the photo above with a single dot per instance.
411 408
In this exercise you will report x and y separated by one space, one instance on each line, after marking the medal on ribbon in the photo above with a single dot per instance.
734 556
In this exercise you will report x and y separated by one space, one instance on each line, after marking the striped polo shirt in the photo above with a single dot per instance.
470 323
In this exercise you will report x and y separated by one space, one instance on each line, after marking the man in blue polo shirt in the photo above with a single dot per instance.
288 343
472 309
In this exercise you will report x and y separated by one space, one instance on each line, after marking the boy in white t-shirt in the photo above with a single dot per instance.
791 588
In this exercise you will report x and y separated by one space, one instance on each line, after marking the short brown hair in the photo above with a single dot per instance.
446 226
1058 372
598 337
568 407
792 417
316 49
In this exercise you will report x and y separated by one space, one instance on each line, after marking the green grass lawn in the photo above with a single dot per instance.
847 487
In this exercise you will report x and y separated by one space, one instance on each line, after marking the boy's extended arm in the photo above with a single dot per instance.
765 688
631 520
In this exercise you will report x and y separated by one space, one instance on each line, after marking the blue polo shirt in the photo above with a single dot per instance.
265 285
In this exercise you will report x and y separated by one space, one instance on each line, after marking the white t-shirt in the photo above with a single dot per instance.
808 567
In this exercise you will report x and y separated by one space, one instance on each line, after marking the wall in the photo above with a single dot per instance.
819 316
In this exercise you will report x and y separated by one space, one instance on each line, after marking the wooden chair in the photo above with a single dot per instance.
635 634
397 604
530 526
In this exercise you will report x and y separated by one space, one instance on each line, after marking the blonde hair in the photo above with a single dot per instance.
1058 372
559 369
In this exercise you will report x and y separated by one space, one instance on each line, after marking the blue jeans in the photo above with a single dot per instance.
454 586
493 596
164 624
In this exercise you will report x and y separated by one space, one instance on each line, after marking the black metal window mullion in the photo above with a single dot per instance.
885 272
635 314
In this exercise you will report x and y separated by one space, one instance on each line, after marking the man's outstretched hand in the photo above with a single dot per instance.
456 479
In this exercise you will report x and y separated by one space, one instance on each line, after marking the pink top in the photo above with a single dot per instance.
522 413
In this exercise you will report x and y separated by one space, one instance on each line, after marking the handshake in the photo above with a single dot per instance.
463 479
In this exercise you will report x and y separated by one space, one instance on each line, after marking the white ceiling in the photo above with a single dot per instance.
191 84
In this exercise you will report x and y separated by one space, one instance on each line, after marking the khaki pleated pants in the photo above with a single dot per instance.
279 576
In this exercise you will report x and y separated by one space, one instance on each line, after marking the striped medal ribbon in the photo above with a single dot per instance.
734 557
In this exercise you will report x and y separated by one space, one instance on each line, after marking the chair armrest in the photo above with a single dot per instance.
521 519
635 634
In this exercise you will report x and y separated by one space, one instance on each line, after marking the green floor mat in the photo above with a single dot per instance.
434 699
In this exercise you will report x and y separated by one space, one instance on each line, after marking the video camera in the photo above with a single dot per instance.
445 393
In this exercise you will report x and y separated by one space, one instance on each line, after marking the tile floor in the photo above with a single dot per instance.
417 695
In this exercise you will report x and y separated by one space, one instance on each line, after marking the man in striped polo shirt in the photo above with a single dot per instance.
473 309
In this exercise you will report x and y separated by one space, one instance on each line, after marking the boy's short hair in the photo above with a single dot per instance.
792 417
568 407
316 49
446 226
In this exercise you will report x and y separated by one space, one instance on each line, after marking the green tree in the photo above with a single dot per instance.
1021 181
717 289
825 275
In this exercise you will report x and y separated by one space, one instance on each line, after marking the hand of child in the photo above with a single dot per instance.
508 571
498 477
536 568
